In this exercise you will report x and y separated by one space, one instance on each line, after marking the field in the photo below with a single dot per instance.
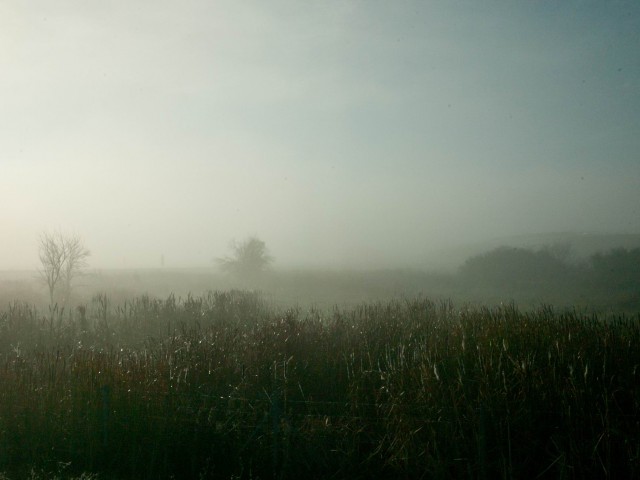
234 384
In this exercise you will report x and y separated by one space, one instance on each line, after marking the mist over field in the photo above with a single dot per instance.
332 239
344 134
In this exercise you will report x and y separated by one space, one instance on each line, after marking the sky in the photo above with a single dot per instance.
342 133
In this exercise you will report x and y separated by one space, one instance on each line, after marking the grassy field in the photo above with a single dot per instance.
325 289
232 385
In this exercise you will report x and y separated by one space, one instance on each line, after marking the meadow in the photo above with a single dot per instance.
231 384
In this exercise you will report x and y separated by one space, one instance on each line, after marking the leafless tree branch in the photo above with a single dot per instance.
62 258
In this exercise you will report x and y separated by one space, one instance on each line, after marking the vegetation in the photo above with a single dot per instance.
224 386
515 266
249 258
62 258
605 281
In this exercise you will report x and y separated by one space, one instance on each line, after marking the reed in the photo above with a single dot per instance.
225 386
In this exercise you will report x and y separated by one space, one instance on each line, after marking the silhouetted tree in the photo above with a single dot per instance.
62 258
249 257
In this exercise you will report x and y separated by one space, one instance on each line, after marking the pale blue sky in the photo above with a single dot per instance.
342 133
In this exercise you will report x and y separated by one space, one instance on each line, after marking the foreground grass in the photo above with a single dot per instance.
221 386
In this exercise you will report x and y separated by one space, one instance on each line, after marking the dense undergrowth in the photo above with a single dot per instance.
223 386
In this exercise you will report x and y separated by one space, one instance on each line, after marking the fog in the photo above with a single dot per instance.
344 134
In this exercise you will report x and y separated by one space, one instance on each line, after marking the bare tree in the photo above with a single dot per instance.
52 260
249 257
62 258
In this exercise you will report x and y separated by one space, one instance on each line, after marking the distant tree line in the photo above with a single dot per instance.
615 273
619 268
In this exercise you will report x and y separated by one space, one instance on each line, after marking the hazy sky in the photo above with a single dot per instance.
340 132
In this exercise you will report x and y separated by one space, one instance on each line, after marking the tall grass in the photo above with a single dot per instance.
224 386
